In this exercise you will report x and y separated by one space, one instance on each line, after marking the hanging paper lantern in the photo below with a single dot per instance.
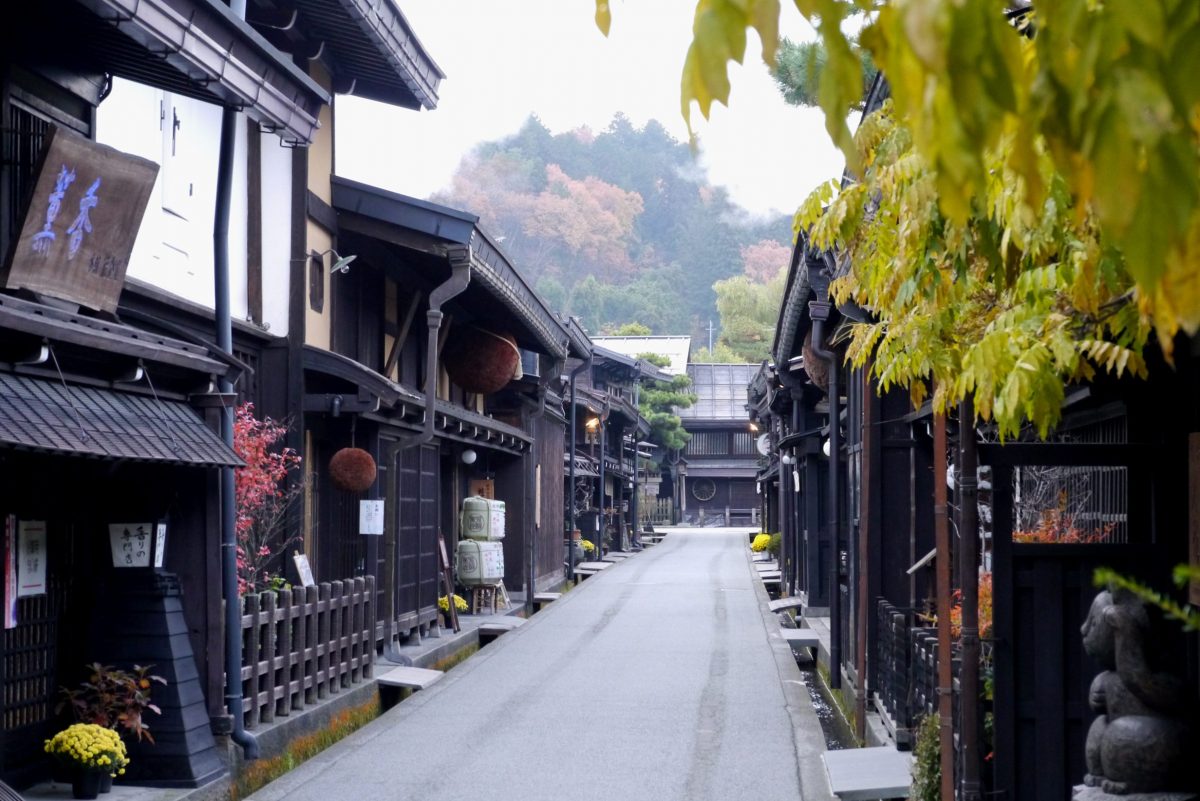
352 470
481 361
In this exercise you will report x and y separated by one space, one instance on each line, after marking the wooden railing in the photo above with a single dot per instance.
905 674
659 511
301 645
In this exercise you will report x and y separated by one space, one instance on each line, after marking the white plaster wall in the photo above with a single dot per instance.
276 233
174 247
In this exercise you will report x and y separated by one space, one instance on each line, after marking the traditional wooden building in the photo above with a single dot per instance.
107 411
855 480
720 464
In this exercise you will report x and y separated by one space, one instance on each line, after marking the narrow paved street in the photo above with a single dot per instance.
654 680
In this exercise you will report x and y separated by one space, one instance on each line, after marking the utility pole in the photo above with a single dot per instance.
710 333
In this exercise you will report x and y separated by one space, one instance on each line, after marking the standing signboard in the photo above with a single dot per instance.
81 222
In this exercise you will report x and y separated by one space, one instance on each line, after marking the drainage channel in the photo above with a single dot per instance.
832 725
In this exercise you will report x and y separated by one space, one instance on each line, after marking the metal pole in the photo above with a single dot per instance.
633 502
600 517
819 313
968 483
941 530
224 337
571 485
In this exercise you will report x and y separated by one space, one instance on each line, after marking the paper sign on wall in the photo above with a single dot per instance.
370 517
31 558
304 569
130 544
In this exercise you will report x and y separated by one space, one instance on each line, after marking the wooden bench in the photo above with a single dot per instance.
858 774
770 574
767 567
410 678
540 599
802 638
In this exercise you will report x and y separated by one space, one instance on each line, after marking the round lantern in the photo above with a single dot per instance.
816 367
352 470
481 361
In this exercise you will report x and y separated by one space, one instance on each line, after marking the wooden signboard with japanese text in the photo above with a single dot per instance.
81 222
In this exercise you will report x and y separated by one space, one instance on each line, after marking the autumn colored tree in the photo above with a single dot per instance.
262 497
765 259
562 207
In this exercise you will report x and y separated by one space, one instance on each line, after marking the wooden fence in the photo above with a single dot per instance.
301 645
658 511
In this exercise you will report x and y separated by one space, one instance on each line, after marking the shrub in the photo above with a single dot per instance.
775 544
927 760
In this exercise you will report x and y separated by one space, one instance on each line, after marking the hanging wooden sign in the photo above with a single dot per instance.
81 222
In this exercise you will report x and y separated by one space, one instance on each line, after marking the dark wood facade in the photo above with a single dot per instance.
1116 468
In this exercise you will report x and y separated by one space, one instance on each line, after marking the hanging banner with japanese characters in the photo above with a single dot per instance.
31 558
81 222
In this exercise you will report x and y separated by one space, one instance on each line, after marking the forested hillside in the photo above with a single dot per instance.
617 226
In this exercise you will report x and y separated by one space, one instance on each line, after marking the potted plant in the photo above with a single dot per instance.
460 605
114 698
92 753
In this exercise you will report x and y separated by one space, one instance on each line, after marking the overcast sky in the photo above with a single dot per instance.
507 59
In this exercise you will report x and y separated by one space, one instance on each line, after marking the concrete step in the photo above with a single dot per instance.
413 678
859 774
792 602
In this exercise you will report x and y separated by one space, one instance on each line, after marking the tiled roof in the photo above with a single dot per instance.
52 417
720 391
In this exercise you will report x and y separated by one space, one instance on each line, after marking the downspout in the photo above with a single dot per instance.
586 364
968 484
534 493
224 337
460 277
818 311
633 502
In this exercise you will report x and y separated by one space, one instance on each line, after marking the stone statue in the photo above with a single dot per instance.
1143 743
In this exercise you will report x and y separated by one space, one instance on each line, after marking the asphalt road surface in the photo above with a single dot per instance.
654 680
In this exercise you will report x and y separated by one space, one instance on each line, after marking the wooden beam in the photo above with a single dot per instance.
393 357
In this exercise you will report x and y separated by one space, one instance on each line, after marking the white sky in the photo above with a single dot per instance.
507 59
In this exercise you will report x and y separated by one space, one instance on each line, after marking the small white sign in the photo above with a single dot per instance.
160 546
31 558
130 544
370 517
304 569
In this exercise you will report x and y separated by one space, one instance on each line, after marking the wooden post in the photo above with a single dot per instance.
941 530
265 692
250 656
447 581
287 652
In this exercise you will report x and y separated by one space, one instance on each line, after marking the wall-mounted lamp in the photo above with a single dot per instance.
753 427
592 423
341 264
825 447
469 456
787 458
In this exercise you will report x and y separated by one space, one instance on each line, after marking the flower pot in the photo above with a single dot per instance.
86 783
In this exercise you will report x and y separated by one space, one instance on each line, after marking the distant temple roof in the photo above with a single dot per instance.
676 348
720 391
